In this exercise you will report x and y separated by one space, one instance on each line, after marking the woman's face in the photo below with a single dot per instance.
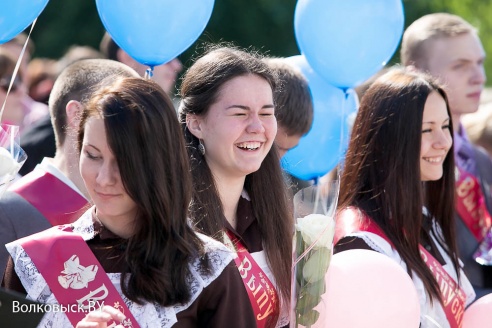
239 128
436 138
101 175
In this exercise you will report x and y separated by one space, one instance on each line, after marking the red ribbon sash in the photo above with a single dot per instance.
470 204
261 292
454 298
73 274
56 201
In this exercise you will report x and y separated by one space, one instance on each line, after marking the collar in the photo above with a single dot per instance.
47 166
459 137
245 217
88 226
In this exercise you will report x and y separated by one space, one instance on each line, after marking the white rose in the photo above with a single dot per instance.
317 227
8 164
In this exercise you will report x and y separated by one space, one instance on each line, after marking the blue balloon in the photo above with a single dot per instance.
154 32
323 147
17 15
347 41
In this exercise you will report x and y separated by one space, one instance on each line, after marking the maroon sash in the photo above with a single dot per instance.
454 298
56 201
470 205
73 274
261 292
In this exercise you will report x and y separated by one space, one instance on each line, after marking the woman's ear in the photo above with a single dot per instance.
193 123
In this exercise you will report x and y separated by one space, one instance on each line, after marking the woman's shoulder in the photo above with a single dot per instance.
220 304
355 230
218 254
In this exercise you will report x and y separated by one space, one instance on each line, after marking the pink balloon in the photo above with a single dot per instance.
368 289
479 314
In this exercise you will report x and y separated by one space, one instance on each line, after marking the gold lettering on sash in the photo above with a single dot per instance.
465 187
266 314
251 284
451 295
263 299
262 295
457 309
243 269
466 192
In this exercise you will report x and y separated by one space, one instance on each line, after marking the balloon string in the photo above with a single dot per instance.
342 126
16 69
149 73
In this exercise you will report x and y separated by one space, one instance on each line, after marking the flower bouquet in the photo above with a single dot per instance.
314 209
12 156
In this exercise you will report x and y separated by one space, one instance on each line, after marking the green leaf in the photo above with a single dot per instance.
316 288
317 265
306 302
309 318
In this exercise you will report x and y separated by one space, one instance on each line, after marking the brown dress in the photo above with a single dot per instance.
223 303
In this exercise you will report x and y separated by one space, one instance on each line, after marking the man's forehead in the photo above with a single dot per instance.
465 47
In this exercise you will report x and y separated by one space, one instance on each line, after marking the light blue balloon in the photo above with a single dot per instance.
347 41
153 32
17 15
323 147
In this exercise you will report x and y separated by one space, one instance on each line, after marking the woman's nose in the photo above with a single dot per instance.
255 124
106 175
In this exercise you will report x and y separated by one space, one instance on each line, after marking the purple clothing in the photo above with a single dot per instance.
474 160
464 154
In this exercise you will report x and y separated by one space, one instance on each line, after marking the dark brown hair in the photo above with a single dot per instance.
266 188
146 139
381 175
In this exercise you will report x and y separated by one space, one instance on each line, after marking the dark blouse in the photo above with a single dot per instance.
247 229
223 303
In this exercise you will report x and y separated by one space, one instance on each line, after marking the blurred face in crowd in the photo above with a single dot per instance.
14 111
286 142
458 62
165 75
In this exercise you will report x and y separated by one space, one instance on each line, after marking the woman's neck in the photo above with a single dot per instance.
229 191
123 227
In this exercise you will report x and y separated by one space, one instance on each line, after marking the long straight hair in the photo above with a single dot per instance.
146 139
266 188
382 177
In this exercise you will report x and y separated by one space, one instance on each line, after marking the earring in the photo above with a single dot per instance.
201 147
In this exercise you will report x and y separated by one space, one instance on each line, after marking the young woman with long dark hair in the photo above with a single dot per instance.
397 189
153 269
227 113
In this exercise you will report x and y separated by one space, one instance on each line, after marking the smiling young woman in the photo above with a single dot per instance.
134 251
228 116
397 194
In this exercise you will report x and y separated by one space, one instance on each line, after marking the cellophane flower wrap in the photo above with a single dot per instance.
12 156
314 209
